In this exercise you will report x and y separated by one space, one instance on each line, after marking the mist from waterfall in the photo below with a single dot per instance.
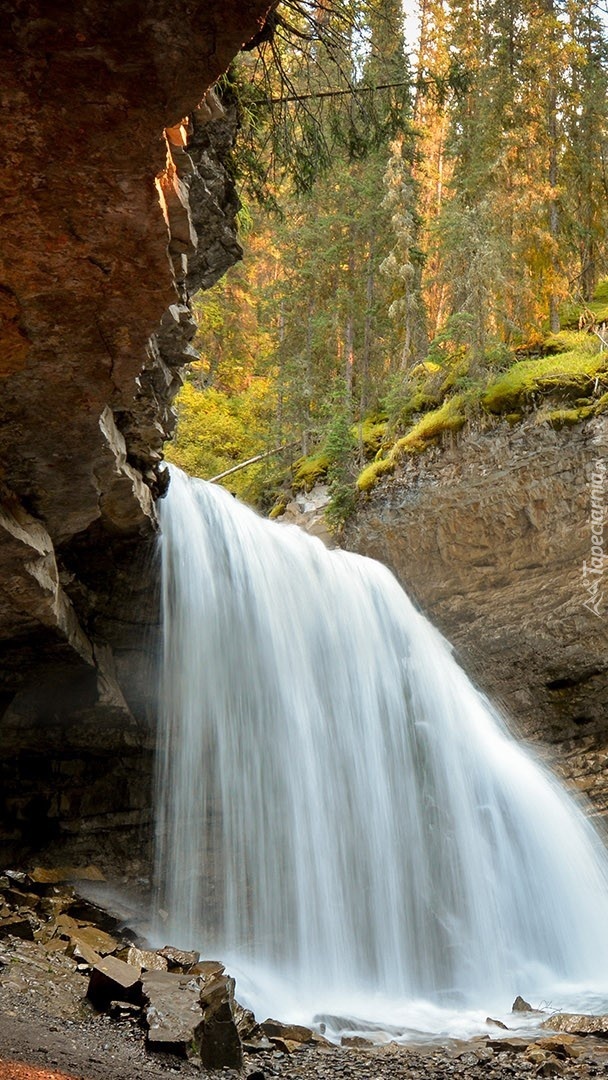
342 817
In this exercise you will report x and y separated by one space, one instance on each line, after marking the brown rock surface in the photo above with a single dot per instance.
107 228
489 534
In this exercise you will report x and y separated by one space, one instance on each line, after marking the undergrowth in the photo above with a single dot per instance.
563 380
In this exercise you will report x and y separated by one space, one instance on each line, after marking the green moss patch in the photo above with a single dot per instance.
599 304
568 375
450 417
372 435
559 418
308 471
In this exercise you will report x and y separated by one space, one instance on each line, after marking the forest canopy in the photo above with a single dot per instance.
424 227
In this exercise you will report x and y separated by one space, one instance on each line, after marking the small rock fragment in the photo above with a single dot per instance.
550 1067
496 1023
257 1045
124 1010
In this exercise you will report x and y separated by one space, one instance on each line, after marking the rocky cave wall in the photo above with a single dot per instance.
115 210
489 533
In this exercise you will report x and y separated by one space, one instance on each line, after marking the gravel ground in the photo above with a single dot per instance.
90 1046
50 1031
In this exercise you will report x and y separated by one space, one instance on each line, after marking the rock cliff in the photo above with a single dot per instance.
491 533
116 207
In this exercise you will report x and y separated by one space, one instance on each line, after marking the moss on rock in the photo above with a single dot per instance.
310 470
449 417
567 375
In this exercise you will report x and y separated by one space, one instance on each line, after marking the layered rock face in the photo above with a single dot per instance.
492 536
116 207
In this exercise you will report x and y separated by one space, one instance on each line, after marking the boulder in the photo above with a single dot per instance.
563 1046
207 968
16 926
520 1005
178 959
146 959
245 1021
496 1023
113 980
95 939
172 1010
578 1024
218 1037
293 1032
82 952
86 911
355 1041
509 1046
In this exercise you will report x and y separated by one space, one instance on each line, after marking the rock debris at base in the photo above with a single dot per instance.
82 997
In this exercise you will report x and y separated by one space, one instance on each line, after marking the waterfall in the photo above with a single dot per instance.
342 815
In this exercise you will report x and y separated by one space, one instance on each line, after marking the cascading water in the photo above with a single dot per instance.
342 817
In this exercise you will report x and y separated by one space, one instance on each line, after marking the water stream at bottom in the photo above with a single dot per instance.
342 818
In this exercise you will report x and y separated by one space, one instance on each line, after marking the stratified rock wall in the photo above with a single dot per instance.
115 207
490 534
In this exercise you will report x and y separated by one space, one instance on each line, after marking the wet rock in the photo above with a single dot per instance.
520 1005
563 1046
178 959
111 979
578 1024
496 1023
293 1032
356 1041
510 1046
172 1010
219 1039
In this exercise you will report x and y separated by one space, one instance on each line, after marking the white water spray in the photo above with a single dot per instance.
342 816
